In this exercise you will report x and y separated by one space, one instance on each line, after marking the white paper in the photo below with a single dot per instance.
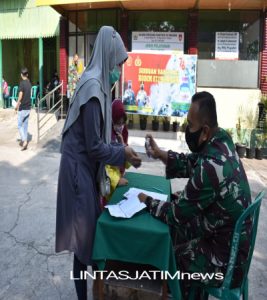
126 208
134 192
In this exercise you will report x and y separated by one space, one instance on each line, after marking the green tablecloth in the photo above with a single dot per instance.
141 239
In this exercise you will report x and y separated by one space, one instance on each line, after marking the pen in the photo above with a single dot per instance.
157 189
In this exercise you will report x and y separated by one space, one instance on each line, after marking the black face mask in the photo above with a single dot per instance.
192 139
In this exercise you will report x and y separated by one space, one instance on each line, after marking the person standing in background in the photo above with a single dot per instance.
5 92
54 82
24 107
119 135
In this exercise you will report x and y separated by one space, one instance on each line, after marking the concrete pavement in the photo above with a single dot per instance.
29 267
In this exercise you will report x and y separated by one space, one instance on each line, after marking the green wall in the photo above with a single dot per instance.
24 52
17 54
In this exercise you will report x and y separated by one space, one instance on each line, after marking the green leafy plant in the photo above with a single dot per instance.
240 129
251 122
143 117
155 123
240 133
166 123
166 119
263 100
260 140
261 137
175 125
253 50
130 121
230 131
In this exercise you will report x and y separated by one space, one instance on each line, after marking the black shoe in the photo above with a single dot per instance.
25 146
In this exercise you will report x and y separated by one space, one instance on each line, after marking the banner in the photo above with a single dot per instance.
159 84
158 41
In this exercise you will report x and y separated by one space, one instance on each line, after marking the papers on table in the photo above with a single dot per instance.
134 192
126 208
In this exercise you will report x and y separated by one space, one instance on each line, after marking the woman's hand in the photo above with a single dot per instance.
123 181
120 138
132 157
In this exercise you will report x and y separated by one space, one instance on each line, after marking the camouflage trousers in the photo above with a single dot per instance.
194 256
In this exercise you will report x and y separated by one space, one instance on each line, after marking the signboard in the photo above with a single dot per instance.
158 41
159 84
227 45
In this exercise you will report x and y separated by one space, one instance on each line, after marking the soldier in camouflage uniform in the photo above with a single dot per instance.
202 217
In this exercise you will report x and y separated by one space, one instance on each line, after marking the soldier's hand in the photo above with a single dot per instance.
142 197
153 149
175 196
132 157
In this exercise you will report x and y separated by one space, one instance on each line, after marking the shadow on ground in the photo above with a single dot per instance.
30 269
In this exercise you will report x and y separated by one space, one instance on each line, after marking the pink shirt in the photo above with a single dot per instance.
5 88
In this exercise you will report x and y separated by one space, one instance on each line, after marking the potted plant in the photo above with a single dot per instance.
143 121
175 126
230 132
250 152
260 139
166 124
262 110
240 145
261 142
184 125
130 122
251 124
155 123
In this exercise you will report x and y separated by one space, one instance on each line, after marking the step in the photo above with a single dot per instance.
165 140
170 135
9 127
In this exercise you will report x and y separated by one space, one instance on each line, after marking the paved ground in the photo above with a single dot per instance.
29 268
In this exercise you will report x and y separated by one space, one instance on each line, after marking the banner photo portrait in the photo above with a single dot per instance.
158 84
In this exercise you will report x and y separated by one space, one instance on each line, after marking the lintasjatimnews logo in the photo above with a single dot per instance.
150 275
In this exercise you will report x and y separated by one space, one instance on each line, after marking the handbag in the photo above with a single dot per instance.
104 182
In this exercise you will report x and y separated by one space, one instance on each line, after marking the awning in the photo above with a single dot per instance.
67 5
28 22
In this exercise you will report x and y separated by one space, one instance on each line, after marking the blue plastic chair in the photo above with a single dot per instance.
14 95
225 292
34 94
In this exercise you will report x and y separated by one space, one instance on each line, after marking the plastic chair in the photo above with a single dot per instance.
225 292
34 94
14 95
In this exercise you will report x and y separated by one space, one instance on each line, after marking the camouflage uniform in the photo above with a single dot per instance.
73 78
202 217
